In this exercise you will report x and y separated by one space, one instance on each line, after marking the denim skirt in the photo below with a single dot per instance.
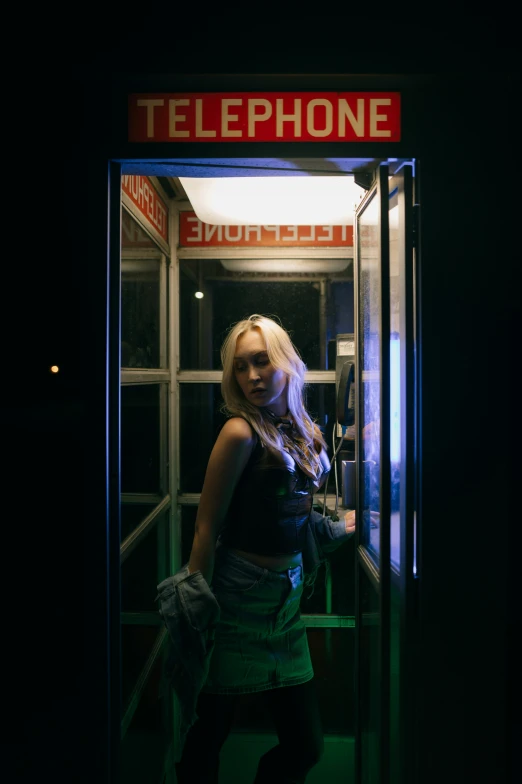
260 640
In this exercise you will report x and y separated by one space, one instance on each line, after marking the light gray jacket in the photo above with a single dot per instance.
190 612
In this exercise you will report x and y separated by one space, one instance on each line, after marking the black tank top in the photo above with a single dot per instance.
269 511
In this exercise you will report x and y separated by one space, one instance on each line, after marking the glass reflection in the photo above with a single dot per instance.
395 387
370 345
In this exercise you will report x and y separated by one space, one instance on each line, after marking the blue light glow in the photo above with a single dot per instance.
395 400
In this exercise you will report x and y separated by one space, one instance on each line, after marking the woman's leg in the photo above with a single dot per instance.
199 762
295 713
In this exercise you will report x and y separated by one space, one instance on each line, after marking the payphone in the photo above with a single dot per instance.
344 453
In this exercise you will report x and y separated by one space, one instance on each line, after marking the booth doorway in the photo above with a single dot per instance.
170 415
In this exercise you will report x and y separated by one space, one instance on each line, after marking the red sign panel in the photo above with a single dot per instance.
265 117
145 197
193 233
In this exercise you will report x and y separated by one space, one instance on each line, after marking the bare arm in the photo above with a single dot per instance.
227 461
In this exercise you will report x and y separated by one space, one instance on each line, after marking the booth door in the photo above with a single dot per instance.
386 402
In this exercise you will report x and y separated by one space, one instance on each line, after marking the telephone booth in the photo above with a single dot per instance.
362 288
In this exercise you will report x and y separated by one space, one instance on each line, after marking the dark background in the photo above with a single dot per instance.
48 706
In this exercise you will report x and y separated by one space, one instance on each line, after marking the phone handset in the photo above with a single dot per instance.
346 396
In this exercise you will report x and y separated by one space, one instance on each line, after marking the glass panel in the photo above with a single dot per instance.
320 403
140 574
313 309
370 339
144 748
395 386
140 308
336 592
369 681
136 645
188 521
332 652
131 516
200 419
140 438
395 683
132 235
395 487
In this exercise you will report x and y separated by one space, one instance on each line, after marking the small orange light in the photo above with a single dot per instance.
54 368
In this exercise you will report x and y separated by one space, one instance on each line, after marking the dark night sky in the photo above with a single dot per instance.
218 43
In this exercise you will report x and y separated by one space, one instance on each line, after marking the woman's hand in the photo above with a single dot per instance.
349 521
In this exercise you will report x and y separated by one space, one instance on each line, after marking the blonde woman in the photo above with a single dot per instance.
252 526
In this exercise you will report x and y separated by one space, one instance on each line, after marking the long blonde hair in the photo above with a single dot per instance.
284 356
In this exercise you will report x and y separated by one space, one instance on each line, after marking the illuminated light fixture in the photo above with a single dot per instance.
285 265
279 201
199 295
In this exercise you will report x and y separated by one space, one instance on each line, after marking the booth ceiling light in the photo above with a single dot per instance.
269 201
285 265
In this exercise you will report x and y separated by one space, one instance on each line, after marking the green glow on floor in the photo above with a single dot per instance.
242 751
